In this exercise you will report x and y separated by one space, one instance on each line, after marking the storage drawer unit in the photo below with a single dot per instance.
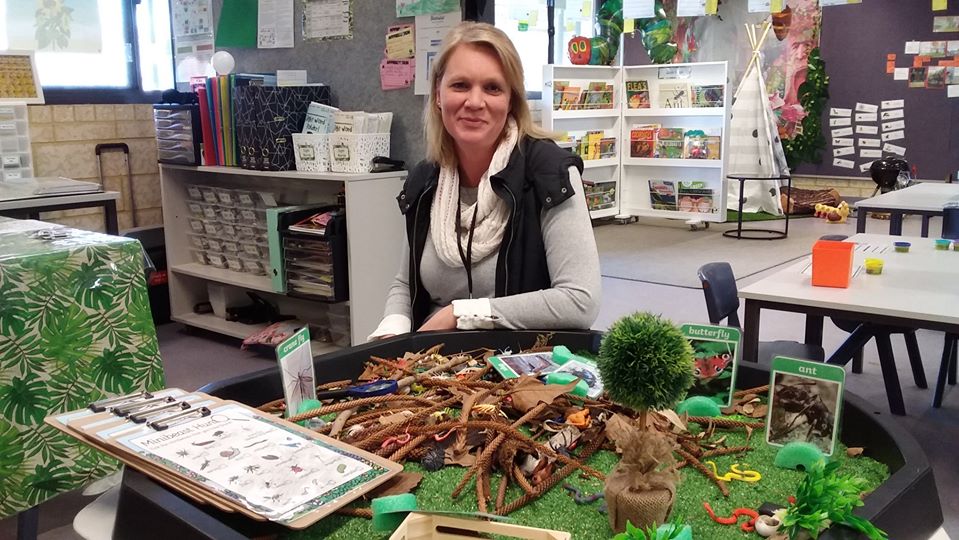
178 133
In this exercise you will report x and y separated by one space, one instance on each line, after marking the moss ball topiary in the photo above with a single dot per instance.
645 362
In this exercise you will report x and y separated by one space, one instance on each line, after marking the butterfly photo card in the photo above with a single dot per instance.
715 361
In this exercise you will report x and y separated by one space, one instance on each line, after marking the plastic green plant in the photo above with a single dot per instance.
667 532
806 146
824 496
646 362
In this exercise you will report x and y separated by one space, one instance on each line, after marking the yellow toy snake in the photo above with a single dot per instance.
735 473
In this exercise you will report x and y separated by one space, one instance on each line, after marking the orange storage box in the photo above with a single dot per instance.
832 263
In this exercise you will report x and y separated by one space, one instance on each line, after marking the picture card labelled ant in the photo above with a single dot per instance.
716 358
805 403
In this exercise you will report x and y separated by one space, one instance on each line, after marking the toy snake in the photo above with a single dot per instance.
579 497
735 473
747 526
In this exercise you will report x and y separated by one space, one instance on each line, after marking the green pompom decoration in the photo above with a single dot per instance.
699 406
646 362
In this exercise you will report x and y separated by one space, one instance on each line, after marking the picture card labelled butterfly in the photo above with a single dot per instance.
716 360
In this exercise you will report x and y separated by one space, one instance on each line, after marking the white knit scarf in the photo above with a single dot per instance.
492 211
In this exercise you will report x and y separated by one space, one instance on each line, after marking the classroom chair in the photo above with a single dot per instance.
948 368
908 334
722 302
950 222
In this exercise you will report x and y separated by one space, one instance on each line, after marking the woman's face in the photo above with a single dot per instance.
474 98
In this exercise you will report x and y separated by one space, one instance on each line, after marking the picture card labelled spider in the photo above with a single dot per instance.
296 367
805 402
716 358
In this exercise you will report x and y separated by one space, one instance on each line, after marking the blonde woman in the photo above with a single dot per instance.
498 233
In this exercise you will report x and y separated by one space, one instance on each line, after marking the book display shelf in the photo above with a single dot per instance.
670 146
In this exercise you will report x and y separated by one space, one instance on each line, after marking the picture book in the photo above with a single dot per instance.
607 147
673 95
637 94
607 100
593 139
669 143
662 194
570 98
805 402
715 359
695 196
710 95
701 144
642 140
600 195
559 87
595 96
512 366
936 77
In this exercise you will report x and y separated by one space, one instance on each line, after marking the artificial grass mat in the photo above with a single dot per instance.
731 216
557 510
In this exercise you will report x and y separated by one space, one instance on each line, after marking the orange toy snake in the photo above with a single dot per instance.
747 526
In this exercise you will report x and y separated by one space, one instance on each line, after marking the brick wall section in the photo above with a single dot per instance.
63 138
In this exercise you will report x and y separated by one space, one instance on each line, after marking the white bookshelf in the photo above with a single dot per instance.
630 176
637 172
605 171
375 234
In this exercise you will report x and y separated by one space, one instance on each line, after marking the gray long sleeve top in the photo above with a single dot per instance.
571 302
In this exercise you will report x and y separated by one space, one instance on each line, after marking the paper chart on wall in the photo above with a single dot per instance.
843 142
192 38
636 9
327 19
274 24
864 167
399 42
912 47
63 26
894 104
690 8
430 31
866 107
870 153
262 465
952 91
411 8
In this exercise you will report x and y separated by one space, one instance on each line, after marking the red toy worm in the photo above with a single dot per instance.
747 526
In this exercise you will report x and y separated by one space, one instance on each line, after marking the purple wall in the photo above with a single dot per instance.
854 43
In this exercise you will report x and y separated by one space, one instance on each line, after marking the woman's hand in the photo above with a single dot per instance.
442 320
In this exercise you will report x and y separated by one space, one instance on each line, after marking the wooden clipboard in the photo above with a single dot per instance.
287 473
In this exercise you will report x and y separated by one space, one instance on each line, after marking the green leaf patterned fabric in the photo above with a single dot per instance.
75 327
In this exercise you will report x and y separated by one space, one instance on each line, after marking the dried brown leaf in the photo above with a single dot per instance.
759 411
674 419
748 409
854 452
618 429
529 392
403 482
732 409
454 457
749 433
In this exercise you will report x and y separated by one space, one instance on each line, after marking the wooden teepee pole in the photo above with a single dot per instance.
756 42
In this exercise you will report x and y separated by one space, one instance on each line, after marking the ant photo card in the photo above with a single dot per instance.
716 358
296 368
511 366
805 401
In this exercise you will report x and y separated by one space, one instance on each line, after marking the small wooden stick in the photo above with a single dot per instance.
480 495
725 422
407 448
716 452
694 461
356 512
501 492
344 405
758 390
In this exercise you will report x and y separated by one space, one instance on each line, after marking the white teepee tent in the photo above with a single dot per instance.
754 146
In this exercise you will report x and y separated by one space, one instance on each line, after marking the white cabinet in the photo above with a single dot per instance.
375 235
694 170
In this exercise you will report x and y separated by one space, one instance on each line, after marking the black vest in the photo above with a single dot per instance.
536 178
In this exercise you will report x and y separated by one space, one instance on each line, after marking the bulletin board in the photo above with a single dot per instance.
855 42
351 68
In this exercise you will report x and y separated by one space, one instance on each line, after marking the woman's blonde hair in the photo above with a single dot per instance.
439 143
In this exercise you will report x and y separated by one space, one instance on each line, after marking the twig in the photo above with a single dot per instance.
356 512
362 402
694 461
758 390
724 422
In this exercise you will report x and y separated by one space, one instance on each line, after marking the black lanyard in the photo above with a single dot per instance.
467 257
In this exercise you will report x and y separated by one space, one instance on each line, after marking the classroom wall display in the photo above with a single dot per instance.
352 69
927 117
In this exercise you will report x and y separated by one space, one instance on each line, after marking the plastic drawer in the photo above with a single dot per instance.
229 213
174 114
255 250
212 228
254 265
199 256
233 262
195 208
252 216
186 157
230 246
227 230
173 123
320 290
197 225
194 192
175 146
226 196
198 241
208 211
209 194
301 244
216 259
214 245
250 232
175 134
